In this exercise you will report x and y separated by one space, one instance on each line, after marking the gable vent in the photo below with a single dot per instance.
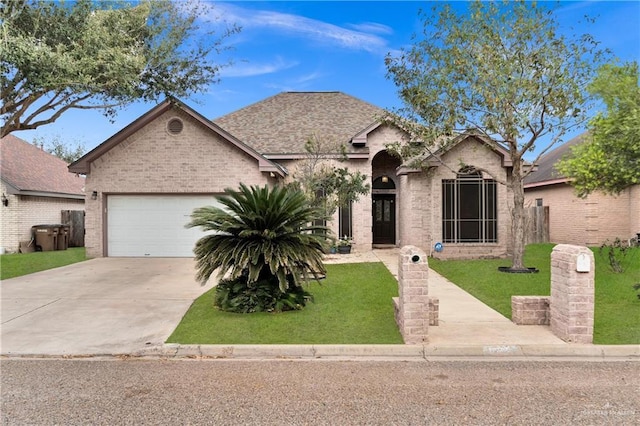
175 126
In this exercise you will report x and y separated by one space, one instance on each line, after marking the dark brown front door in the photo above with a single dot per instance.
384 219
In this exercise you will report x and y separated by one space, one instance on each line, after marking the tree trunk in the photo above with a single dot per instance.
517 216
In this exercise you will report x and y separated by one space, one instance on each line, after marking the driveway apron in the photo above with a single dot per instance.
101 306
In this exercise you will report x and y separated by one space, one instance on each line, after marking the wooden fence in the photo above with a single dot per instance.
75 220
536 224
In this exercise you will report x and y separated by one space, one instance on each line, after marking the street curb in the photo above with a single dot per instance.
368 352
415 352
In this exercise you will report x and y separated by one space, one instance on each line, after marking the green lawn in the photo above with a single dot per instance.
18 264
617 306
352 306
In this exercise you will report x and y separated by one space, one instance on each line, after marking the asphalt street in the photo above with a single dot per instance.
286 392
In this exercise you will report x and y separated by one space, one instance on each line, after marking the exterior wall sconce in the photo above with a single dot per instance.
5 200
385 179
94 195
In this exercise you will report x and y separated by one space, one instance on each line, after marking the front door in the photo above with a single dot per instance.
384 219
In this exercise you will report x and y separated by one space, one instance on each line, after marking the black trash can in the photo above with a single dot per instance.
46 237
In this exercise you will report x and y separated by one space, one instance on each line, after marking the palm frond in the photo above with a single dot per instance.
260 230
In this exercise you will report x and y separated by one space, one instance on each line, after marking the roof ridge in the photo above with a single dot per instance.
282 123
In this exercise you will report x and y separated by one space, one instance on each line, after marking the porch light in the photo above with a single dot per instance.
94 195
385 179
5 200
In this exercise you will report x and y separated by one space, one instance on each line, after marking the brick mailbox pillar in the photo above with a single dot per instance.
412 303
572 293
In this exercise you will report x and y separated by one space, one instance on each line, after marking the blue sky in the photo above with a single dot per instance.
328 46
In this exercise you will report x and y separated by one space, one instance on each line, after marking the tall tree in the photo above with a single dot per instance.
57 56
609 159
502 70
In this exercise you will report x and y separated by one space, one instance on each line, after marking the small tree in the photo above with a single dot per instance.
609 159
325 184
63 151
264 241
503 71
57 56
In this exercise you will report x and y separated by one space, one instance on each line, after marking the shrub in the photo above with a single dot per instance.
264 239
619 254
264 295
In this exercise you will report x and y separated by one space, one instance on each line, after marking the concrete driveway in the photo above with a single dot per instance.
101 306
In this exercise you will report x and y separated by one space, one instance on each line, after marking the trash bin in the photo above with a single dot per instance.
46 237
63 237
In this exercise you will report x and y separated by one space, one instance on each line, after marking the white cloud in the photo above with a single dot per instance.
372 27
358 39
297 83
309 77
246 69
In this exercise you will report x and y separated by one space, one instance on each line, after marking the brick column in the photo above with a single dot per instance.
412 304
572 293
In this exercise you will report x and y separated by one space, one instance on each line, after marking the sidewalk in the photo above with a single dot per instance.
464 320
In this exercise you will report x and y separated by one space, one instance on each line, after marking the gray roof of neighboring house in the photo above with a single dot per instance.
30 170
546 164
283 123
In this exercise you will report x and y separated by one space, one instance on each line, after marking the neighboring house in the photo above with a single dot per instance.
36 186
586 221
148 178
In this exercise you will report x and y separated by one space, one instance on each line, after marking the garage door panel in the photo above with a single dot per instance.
153 225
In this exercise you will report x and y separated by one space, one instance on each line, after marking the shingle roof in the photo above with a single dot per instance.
283 123
546 165
28 168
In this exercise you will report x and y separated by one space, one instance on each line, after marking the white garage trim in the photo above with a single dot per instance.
153 225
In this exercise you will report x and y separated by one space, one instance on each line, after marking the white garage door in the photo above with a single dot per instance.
153 225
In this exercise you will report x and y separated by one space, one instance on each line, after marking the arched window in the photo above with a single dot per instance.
383 182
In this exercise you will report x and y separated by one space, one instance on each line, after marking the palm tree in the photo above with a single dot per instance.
260 233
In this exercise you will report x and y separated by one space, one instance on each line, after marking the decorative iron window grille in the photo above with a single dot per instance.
469 209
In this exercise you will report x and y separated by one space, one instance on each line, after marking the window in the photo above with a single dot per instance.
538 202
345 218
469 208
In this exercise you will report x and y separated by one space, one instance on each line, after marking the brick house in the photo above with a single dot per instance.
143 182
586 221
36 186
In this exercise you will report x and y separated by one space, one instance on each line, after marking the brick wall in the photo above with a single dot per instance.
530 310
25 211
412 304
153 161
589 221
572 293
417 210
471 153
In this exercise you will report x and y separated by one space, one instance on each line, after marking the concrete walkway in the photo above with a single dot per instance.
464 320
